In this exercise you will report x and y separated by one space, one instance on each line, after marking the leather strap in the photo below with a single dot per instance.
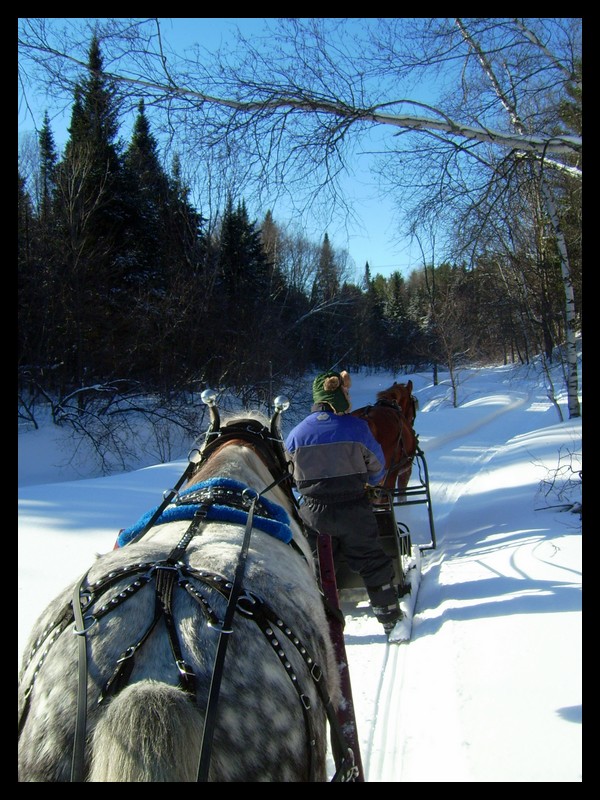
217 674
78 760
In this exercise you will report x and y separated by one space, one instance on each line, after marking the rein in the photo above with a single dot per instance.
217 675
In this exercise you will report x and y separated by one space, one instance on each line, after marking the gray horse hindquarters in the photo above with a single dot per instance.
271 724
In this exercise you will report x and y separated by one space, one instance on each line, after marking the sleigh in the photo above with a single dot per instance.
406 484
389 507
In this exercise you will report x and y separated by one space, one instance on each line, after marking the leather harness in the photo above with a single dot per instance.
172 573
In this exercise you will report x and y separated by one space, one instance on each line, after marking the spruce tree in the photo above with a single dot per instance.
399 328
148 190
187 307
324 296
27 295
244 278
49 246
48 163
94 218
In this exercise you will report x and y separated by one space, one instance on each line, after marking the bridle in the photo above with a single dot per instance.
403 459
266 442
172 572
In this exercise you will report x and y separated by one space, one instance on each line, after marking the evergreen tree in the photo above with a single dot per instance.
327 283
94 218
325 304
49 246
36 264
380 322
244 283
271 241
27 294
148 191
400 330
187 242
363 350
48 163
186 307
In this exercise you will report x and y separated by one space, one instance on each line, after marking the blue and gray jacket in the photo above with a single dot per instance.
334 456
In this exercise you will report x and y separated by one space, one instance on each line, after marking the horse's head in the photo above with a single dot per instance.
256 435
401 394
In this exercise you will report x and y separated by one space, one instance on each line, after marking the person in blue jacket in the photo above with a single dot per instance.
335 457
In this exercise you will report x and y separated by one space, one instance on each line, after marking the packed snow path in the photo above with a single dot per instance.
483 587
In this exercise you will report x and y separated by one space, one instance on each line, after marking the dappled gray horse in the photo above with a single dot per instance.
153 620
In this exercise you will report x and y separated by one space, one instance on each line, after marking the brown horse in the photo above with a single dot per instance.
391 421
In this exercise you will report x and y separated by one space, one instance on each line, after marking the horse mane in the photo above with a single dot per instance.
394 392
253 415
387 394
247 465
400 395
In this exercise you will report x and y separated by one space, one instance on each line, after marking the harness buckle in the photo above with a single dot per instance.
164 565
128 653
348 770
85 630
251 600
249 496
195 455
219 627
85 597
184 668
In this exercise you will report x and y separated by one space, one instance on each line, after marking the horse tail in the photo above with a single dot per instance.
150 732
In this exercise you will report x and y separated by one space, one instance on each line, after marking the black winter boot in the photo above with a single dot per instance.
384 602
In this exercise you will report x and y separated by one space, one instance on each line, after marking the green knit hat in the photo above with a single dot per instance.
332 388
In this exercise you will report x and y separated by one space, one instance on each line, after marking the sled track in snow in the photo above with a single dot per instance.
385 742
383 746
460 433
383 751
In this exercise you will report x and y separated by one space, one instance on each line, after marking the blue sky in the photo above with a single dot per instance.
372 237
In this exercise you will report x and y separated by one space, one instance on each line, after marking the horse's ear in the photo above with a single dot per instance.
409 386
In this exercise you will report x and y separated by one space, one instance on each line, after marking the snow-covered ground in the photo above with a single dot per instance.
490 687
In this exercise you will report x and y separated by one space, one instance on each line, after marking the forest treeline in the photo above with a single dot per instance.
122 281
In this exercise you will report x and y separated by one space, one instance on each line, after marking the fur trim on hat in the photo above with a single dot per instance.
332 383
331 388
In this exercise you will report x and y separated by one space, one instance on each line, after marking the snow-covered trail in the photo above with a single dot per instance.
477 561
489 688
386 726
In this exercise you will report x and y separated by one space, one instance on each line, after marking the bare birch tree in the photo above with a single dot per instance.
509 103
